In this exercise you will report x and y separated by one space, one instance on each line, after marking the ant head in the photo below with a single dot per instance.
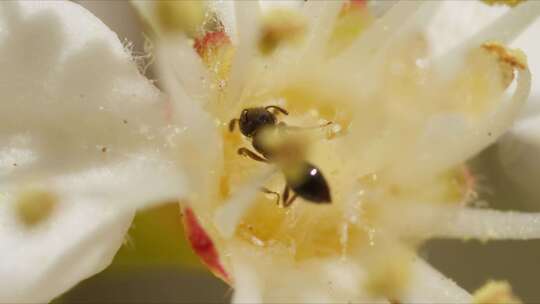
254 119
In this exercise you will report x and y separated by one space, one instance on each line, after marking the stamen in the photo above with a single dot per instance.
495 292
491 225
504 2
247 283
430 286
468 139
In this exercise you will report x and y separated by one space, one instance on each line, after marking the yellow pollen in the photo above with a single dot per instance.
349 25
35 206
280 26
511 3
514 57
180 16
495 292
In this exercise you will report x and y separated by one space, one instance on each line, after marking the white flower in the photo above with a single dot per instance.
86 140
411 105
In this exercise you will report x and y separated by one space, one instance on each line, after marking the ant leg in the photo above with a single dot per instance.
288 203
285 194
248 153
268 191
296 128
278 109
232 124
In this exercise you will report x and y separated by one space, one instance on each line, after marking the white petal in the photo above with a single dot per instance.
271 4
226 13
203 158
528 42
518 149
69 92
456 21
79 121
93 212
507 27
321 16
378 35
247 24
494 24
77 241
430 286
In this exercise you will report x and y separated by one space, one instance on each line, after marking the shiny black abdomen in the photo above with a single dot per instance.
311 185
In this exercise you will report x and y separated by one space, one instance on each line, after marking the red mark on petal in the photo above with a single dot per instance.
470 183
352 6
358 3
210 40
203 245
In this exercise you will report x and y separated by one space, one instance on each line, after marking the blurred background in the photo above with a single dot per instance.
156 265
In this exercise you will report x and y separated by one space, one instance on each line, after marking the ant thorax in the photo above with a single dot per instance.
281 145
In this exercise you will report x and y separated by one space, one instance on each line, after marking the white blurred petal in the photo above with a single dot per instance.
200 134
247 15
457 20
271 4
380 34
321 16
80 122
518 150
77 241
225 11
528 42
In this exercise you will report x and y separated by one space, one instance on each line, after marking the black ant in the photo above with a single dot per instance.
303 178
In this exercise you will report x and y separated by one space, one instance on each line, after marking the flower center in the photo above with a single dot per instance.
388 112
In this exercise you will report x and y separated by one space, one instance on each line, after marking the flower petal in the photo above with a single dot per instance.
71 96
247 18
528 43
81 130
77 241
456 21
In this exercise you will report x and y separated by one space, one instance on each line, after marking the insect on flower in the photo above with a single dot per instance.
270 139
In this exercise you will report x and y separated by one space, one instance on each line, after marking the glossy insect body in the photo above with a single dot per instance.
308 182
270 139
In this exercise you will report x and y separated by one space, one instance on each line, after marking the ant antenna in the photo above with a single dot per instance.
232 124
278 109
296 128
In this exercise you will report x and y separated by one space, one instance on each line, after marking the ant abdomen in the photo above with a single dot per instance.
306 180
